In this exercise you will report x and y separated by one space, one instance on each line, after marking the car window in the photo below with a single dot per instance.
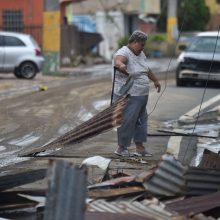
13 42
205 45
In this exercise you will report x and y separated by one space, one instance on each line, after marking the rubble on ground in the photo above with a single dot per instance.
171 190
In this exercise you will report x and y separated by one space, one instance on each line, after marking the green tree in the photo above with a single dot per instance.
193 15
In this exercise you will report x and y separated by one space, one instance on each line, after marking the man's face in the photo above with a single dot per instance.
138 47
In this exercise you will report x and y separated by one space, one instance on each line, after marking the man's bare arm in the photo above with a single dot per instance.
120 64
153 77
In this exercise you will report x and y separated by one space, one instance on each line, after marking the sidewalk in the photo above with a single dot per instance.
158 65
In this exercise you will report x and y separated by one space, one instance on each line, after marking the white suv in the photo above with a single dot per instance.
200 60
20 54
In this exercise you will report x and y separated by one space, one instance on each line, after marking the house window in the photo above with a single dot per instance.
13 20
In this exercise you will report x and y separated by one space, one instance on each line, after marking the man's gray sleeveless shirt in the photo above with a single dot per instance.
137 66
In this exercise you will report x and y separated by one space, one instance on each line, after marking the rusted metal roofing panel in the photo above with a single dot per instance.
110 193
105 120
168 178
196 204
201 181
144 209
210 160
114 182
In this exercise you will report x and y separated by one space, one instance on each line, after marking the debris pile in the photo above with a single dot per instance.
171 190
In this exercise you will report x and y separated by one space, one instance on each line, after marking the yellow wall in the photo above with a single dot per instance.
213 6
51 33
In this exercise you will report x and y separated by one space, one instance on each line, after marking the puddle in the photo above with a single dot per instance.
2 148
84 115
11 159
101 105
64 129
25 141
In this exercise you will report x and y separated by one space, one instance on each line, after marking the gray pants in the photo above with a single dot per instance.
134 121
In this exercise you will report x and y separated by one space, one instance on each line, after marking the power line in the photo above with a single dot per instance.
203 95
172 57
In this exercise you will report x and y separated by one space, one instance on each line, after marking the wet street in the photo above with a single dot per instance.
34 113
31 117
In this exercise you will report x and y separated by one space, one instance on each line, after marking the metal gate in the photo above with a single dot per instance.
13 20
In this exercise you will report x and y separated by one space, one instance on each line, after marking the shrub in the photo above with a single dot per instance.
122 41
158 37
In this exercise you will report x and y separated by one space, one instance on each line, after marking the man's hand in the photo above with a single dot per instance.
155 80
157 86
122 68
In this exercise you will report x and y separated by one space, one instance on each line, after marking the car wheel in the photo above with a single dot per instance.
27 70
179 82
17 74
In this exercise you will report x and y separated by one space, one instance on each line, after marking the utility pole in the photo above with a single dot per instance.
51 35
172 28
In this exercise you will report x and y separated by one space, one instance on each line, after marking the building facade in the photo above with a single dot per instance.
22 16
116 19
214 7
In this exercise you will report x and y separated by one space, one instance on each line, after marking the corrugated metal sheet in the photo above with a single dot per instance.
110 193
172 178
145 209
66 193
113 216
200 181
105 120
11 180
168 178
114 182
196 204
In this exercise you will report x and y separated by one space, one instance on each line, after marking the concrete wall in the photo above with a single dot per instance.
111 27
